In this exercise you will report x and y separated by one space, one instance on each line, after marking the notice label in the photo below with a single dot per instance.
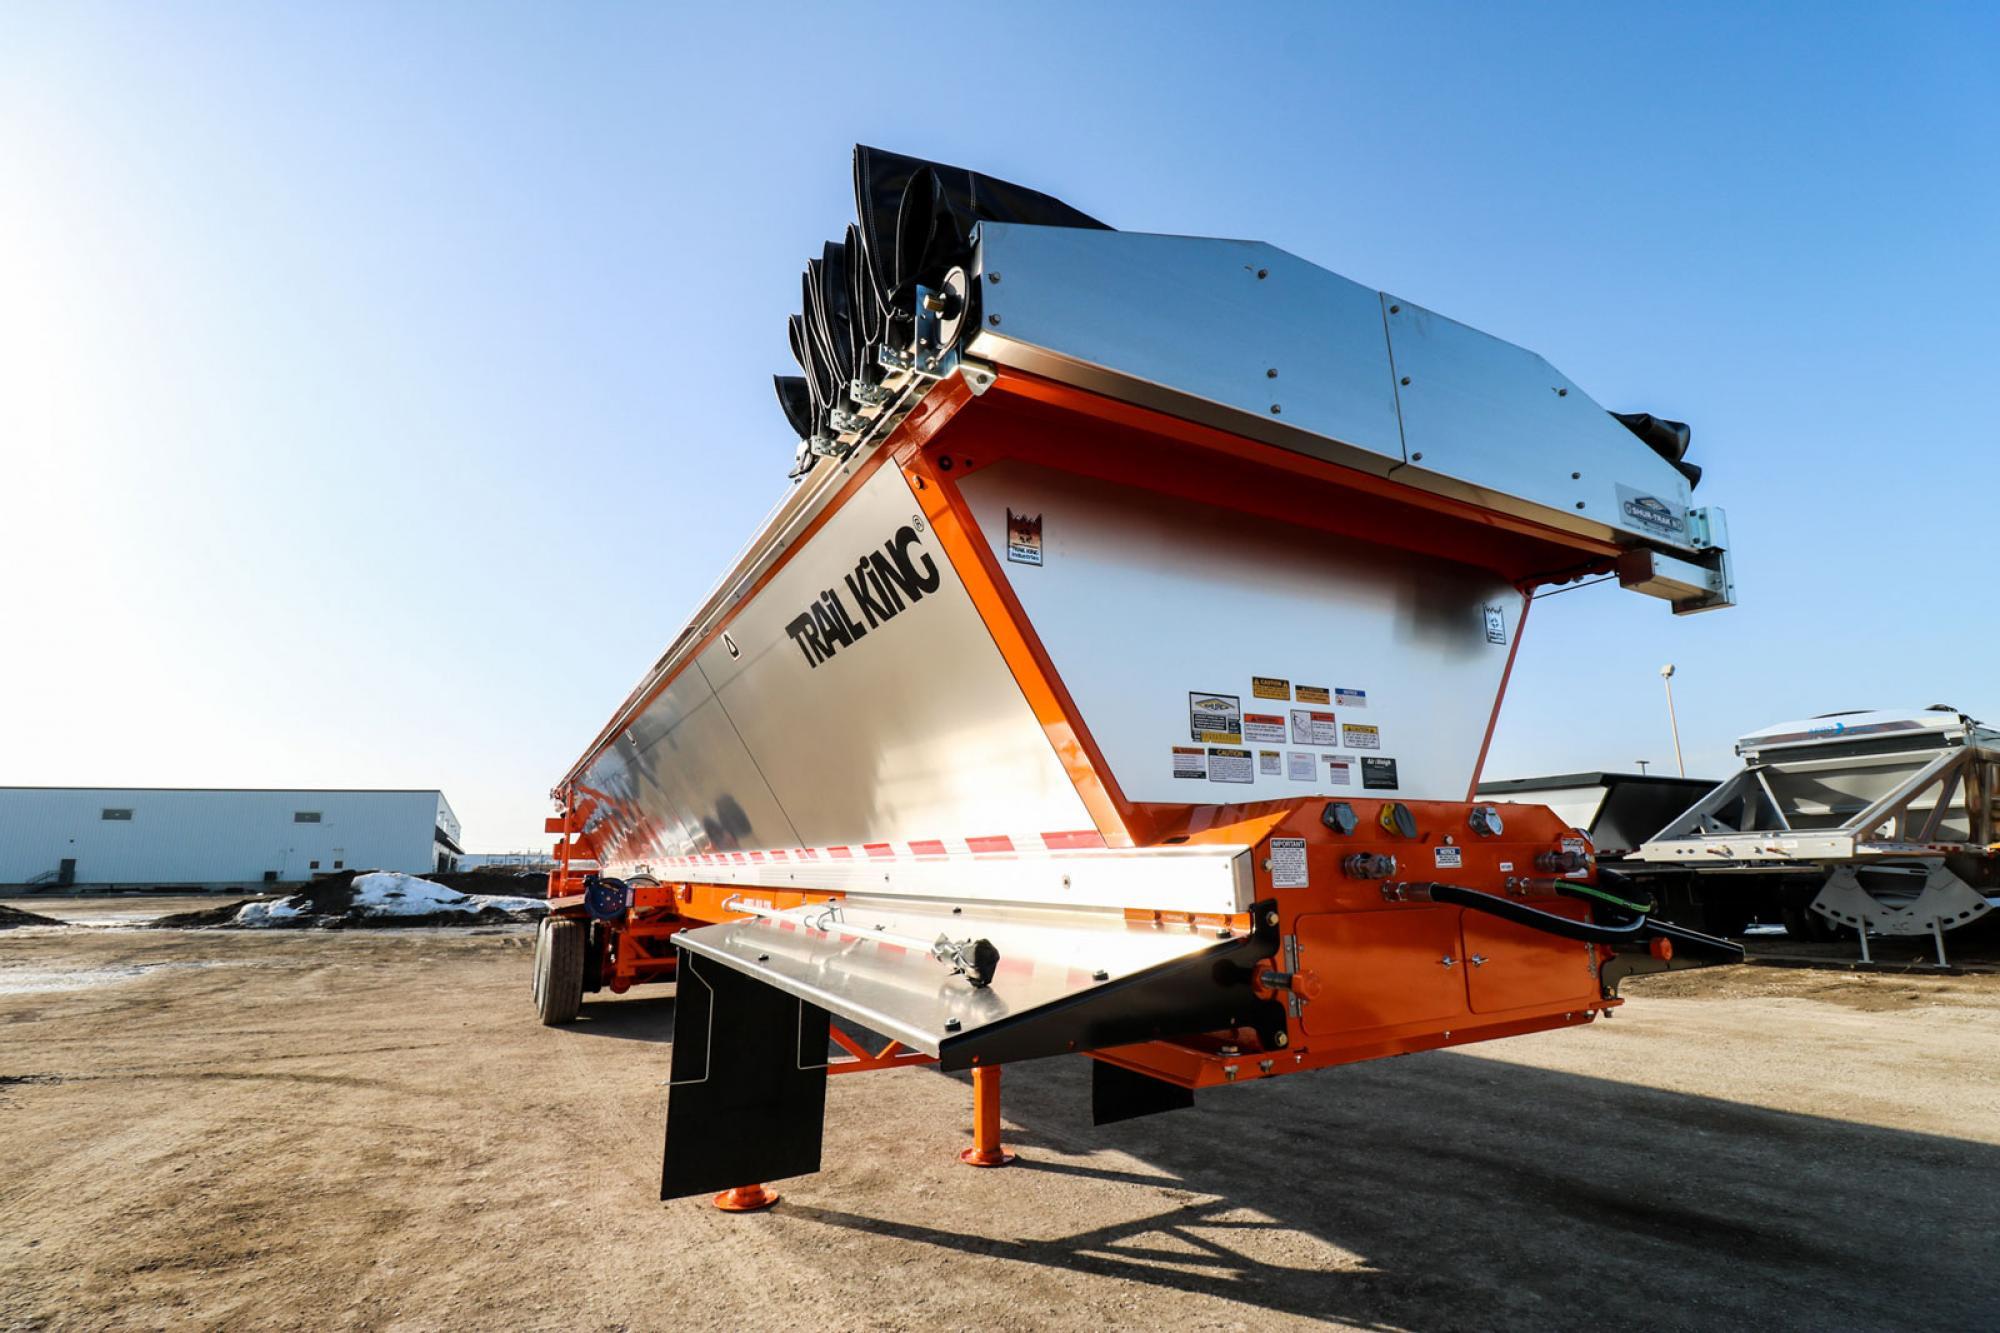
1313 728
1379 774
1215 719
1448 858
1299 765
1024 538
1351 698
1264 727
1231 766
1581 848
1315 694
1288 863
1270 687
1496 623
1359 736
1270 764
1190 762
1339 770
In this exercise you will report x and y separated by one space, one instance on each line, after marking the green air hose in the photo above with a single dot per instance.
1591 891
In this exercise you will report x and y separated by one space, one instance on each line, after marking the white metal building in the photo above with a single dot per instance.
216 837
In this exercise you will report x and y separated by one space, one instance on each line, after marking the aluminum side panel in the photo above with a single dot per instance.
913 730
1142 601
1483 412
1207 318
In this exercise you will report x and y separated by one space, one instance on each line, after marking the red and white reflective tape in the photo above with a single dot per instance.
996 845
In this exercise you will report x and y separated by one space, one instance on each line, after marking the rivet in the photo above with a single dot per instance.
1100 975
1579 504
1576 476
763 958
951 1025
1271 374
1416 458
1276 409
993 319
1263 273
993 277
1395 310
1562 393
1406 379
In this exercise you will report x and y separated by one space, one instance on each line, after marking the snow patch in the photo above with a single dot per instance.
379 895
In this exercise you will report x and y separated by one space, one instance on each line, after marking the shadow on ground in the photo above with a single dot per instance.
1482 1194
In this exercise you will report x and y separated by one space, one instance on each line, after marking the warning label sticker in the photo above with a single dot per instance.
1360 736
1581 848
1024 538
1315 694
1379 774
1270 687
1215 718
1288 863
1448 858
1340 770
1231 766
1263 727
1190 762
1299 765
1351 698
1270 764
1313 728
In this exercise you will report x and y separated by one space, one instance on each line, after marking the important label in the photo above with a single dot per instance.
1231 766
1299 765
1270 764
1339 770
1288 863
1350 698
1190 762
1313 728
1270 687
1360 736
1024 538
1448 858
1379 774
1264 727
1215 719
1314 694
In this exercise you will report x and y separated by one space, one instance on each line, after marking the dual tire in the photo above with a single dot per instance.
559 966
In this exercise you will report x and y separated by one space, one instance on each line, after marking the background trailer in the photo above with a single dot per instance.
213 837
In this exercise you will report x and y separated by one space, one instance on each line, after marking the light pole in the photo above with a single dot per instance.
1642 765
1667 677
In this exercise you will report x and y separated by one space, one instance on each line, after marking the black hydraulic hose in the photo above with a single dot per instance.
1523 915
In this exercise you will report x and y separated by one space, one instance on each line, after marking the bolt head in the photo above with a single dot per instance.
1284 1040
993 319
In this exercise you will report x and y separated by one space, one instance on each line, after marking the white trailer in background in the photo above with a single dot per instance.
1896 807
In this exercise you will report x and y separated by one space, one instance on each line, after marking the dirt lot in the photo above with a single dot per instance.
363 1129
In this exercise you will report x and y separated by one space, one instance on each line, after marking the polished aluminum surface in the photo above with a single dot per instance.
1195 327
916 730
1142 604
1195 878
1045 957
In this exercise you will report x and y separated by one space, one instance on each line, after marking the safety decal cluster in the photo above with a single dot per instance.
1230 742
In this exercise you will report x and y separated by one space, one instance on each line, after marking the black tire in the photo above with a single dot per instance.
559 971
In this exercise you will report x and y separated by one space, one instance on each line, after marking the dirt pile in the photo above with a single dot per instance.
11 917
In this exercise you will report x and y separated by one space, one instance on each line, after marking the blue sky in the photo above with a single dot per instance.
381 385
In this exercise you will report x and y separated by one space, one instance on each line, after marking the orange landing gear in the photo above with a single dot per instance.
986 1149
745 1199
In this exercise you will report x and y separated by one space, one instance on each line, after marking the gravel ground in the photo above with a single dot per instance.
361 1129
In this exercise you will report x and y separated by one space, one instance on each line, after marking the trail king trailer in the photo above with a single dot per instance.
1114 681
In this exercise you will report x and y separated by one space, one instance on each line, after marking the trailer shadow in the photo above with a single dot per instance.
1447 1190
648 1018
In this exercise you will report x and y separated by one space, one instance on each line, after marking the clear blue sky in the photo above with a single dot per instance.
382 384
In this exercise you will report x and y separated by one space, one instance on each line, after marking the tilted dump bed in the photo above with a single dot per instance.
1142 613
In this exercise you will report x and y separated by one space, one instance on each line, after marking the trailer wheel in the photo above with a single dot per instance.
559 971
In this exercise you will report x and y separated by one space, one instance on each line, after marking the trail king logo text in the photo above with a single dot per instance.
883 583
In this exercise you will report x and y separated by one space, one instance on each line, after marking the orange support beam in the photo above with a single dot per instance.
986 1149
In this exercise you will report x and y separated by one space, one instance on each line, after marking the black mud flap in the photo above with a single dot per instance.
747 1090
1117 1093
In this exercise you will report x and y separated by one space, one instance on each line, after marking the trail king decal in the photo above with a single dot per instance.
1024 538
1496 623
884 583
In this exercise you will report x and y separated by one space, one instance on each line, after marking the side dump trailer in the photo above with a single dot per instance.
1115 680
1891 814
